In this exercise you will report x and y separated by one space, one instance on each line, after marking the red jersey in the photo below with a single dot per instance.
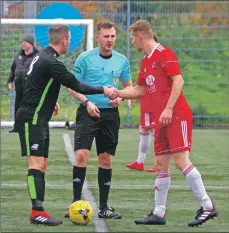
145 102
155 72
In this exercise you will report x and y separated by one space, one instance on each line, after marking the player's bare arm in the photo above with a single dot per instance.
166 115
77 95
132 92
91 107
116 102
56 109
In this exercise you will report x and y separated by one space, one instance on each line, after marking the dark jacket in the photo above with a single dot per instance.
20 67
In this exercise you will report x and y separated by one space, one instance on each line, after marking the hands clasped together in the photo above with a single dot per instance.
111 92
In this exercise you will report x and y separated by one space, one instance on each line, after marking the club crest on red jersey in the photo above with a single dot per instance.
154 65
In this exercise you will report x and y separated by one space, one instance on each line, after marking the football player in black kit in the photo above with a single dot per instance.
42 86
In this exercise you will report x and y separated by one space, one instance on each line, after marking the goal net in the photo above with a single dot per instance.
12 33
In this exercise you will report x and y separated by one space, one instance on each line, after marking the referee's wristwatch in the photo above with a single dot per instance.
85 103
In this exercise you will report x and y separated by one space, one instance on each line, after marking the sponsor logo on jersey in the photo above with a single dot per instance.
150 80
150 83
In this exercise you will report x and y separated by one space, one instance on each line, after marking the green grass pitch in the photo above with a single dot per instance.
131 191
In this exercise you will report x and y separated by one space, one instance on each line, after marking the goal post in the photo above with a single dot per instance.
13 28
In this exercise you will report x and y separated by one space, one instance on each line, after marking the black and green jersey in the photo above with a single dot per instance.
42 86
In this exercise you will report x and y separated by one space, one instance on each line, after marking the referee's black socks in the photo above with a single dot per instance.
36 187
79 174
104 180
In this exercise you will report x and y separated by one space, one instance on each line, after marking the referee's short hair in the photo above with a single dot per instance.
107 24
57 33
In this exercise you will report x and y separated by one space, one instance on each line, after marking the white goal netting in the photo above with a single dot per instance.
12 32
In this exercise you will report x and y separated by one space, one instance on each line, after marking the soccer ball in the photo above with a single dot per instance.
80 212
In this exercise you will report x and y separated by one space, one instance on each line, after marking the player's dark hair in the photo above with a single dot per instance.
144 27
107 24
57 33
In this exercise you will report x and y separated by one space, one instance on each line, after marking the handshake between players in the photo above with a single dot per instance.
111 92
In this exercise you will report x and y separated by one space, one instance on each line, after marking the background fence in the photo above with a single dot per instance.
196 30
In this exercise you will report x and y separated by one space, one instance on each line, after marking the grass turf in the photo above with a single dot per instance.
131 191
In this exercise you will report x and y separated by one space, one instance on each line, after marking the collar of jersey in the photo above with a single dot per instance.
55 53
153 51
105 57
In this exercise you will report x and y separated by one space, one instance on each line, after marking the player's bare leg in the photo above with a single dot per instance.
193 178
144 146
153 169
162 184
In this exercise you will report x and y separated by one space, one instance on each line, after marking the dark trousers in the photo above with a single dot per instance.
19 86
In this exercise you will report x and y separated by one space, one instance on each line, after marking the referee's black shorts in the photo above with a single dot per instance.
34 139
104 129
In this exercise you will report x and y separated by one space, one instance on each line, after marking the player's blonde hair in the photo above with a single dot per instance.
143 27
57 33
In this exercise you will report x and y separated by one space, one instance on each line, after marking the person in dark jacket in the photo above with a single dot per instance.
20 67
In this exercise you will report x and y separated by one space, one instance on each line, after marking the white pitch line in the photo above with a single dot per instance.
98 223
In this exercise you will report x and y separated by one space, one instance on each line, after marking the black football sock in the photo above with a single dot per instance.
36 187
79 174
104 180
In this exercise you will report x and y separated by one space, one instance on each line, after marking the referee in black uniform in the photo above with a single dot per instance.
42 86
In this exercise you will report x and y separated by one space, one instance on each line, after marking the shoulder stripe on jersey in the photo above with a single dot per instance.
169 62
160 47
35 116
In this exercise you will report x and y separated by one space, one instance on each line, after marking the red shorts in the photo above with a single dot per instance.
174 138
146 120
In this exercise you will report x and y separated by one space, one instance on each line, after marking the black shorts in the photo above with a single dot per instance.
104 129
34 139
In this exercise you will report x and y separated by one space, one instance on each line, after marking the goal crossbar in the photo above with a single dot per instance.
47 21
87 22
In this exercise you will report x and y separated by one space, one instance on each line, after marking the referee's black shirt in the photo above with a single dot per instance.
45 76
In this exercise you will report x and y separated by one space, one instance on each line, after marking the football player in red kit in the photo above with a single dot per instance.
160 74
